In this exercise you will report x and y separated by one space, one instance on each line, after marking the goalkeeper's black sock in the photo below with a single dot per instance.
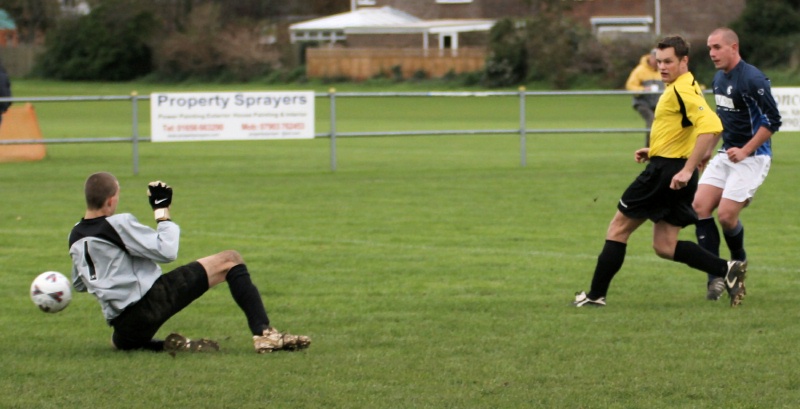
248 298
694 256
735 241
154 345
609 262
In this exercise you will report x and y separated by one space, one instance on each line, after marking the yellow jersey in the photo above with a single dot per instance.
681 115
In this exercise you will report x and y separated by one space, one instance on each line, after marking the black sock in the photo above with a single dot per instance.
248 298
609 262
695 256
708 237
154 345
735 241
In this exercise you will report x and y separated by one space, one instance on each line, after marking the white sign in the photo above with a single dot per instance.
231 116
788 100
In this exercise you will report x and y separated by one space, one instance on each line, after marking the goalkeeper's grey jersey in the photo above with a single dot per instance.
114 258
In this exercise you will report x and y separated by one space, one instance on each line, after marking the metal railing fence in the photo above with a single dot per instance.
332 133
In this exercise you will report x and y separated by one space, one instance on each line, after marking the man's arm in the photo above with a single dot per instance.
642 155
160 245
710 152
701 147
739 154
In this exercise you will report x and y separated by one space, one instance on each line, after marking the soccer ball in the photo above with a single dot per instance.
51 291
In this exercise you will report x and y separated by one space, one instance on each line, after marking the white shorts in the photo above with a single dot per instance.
738 181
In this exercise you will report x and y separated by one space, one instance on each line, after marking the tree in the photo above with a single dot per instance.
544 47
209 48
175 39
508 62
769 31
108 44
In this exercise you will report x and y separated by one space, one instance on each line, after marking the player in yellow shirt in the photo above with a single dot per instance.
684 129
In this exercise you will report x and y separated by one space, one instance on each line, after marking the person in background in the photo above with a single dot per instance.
5 91
749 117
645 77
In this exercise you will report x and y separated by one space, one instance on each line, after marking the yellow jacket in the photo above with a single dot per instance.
645 78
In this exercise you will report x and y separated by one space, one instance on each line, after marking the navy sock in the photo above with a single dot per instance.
735 241
609 262
248 298
694 256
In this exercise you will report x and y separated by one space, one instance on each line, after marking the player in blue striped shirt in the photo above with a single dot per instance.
750 117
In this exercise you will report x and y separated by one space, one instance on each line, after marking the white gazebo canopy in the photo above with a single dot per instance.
332 28
384 20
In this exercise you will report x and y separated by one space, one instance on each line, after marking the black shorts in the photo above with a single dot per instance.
649 196
171 292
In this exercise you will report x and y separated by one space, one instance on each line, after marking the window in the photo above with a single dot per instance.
366 2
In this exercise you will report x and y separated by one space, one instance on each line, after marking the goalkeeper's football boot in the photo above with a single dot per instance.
734 281
715 288
176 342
274 340
581 299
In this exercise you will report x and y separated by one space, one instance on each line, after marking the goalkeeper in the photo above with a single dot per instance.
115 258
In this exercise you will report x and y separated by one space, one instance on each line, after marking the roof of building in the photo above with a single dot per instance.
388 20
429 26
368 16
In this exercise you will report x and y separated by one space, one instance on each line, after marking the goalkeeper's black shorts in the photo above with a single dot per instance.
138 323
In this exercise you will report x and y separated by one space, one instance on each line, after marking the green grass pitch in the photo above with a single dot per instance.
430 272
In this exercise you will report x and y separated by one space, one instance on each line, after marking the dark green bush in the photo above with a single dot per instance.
508 62
110 44
552 43
616 59
769 32
553 50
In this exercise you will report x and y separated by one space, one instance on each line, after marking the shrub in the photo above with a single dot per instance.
552 49
699 62
769 32
205 49
619 57
397 73
109 44
419 75
551 41
507 63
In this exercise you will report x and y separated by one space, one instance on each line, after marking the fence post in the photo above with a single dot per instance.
332 94
522 124
135 131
